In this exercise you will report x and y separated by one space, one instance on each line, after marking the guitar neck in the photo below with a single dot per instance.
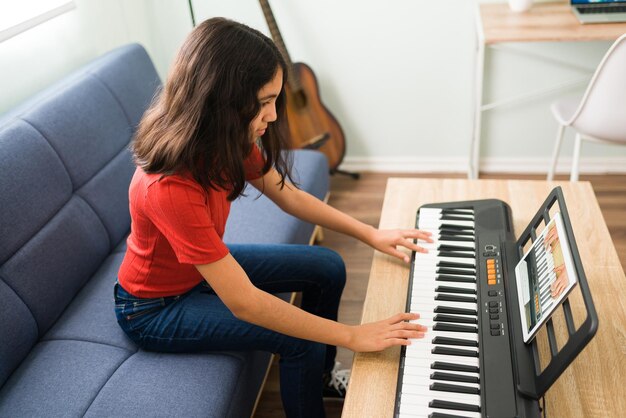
293 81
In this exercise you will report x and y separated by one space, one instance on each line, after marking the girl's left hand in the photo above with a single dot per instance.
386 241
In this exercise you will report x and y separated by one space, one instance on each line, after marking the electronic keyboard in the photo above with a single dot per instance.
472 361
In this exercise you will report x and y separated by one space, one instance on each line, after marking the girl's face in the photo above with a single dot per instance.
267 98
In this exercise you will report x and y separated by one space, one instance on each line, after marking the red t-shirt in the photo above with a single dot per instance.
175 224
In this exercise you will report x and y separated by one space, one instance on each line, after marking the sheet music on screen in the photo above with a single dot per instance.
545 275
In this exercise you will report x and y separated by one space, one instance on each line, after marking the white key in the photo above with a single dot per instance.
424 285
418 357
420 380
411 410
419 394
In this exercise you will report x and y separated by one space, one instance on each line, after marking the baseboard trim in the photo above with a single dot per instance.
590 165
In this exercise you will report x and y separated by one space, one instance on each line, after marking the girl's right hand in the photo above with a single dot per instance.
376 336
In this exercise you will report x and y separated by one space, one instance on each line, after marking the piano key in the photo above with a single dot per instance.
430 335
456 218
425 377
421 305
425 346
425 372
456 247
455 319
439 224
458 279
455 289
433 258
412 410
416 394
455 298
448 387
470 266
455 406
456 254
432 284
444 415
457 238
424 353
457 352
454 377
454 366
439 340
442 326
421 390
455 310
455 232
420 358
427 381
455 271
462 245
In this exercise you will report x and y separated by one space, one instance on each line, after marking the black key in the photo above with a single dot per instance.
461 272
460 238
455 298
458 279
456 265
455 254
451 377
453 405
449 247
447 387
457 233
440 415
460 211
454 341
455 319
455 227
443 326
457 311
450 289
456 218
447 351
442 365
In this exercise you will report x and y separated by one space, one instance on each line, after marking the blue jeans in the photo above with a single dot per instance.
199 321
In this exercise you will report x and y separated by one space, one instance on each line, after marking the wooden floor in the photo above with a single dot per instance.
363 200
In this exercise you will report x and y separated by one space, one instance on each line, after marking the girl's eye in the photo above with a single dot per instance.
265 103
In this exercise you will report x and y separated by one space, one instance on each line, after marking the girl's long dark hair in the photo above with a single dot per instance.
199 122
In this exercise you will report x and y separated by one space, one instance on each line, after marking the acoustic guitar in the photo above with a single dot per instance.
311 125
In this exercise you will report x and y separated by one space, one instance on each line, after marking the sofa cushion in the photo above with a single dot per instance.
90 316
59 378
29 199
18 330
142 383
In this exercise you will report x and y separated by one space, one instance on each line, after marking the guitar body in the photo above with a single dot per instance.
311 125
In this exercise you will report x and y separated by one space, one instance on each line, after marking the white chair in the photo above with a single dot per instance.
600 115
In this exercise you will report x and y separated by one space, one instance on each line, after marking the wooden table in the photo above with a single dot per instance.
544 22
593 385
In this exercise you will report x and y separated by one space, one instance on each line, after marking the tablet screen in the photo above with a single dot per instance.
545 275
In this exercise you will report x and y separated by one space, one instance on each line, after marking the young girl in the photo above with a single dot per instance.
181 289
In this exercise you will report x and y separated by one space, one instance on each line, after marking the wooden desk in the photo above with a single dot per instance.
544 22
594 385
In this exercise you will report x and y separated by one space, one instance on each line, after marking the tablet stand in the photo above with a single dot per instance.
531 381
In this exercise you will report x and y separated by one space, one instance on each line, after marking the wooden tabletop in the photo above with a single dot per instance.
594 384
544 22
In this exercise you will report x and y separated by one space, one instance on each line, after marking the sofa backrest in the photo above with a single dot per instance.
65 168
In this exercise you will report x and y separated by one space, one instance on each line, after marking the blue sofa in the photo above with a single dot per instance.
65 168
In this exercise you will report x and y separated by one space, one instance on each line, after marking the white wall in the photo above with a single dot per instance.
33 60
398 75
